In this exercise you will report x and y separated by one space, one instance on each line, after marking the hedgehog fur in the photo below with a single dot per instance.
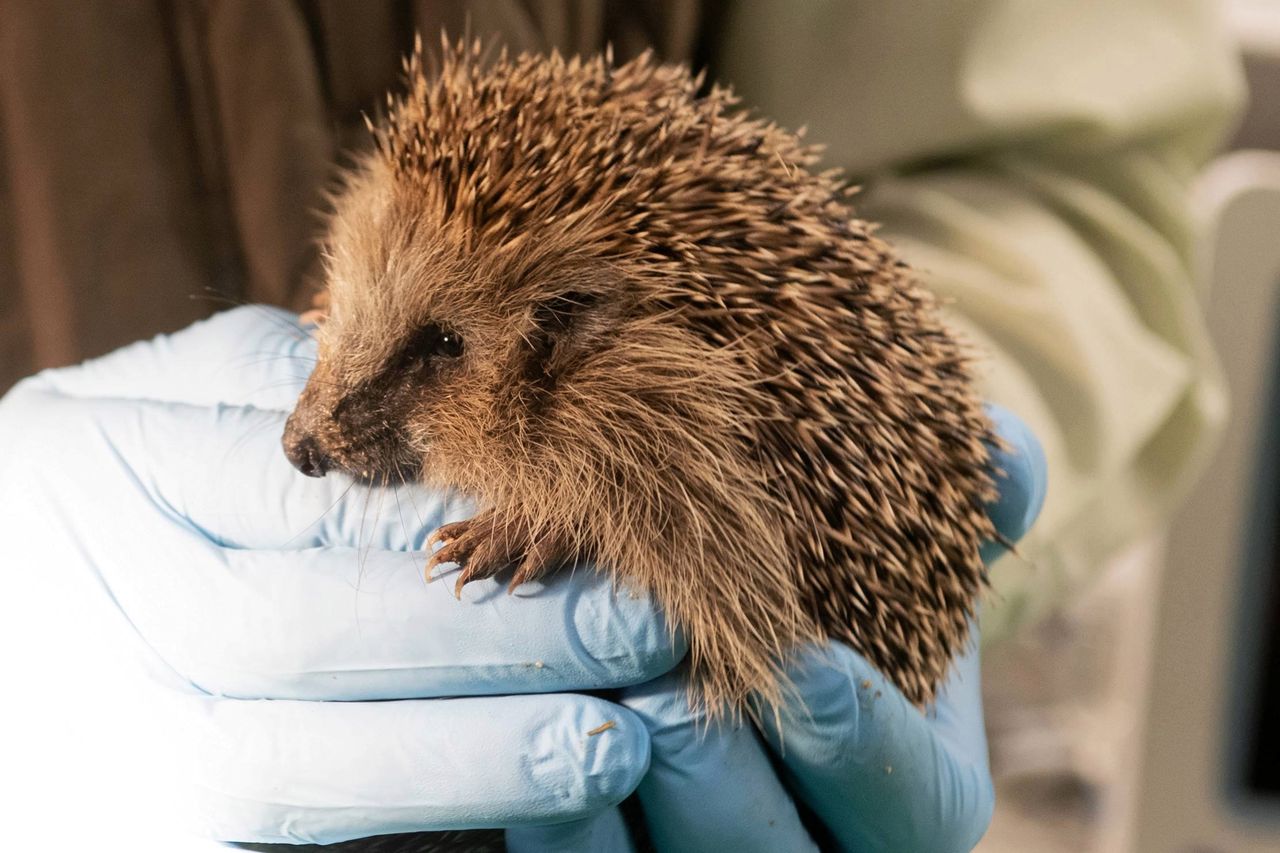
640 327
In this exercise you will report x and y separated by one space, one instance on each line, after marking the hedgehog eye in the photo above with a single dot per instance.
448 345
429 342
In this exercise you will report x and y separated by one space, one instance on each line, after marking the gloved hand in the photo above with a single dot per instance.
872 772
145 502
156 474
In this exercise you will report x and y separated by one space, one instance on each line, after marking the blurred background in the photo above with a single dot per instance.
1086 183
1172 739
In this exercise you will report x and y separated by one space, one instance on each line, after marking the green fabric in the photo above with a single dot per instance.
1032 160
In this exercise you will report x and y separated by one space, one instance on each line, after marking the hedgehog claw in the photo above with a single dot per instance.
454 552
471 545
522 576
468 574
448 532
483 546
542 556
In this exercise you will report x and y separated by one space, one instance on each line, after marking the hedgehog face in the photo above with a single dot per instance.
364 415
437 358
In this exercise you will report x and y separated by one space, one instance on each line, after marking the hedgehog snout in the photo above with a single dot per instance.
303 450
305 455
307 439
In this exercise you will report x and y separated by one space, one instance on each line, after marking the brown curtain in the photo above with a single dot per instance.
160 159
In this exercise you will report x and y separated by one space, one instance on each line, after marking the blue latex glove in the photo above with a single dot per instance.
877 773
157 472
155 475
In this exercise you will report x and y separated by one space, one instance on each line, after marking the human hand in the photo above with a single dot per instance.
225 603
871 771
146 505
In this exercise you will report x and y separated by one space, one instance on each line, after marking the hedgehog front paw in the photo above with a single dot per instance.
486 544
473 546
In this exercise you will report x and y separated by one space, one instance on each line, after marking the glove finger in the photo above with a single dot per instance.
252 355
333 623
319 623
604 832
222 470
871 766
323 772
1023 483
956 715
710 786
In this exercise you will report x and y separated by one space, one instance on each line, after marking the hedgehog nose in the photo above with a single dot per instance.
306 455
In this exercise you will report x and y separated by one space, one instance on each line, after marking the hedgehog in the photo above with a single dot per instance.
647 334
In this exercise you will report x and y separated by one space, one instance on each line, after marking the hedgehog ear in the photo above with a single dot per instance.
563 330
561 313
